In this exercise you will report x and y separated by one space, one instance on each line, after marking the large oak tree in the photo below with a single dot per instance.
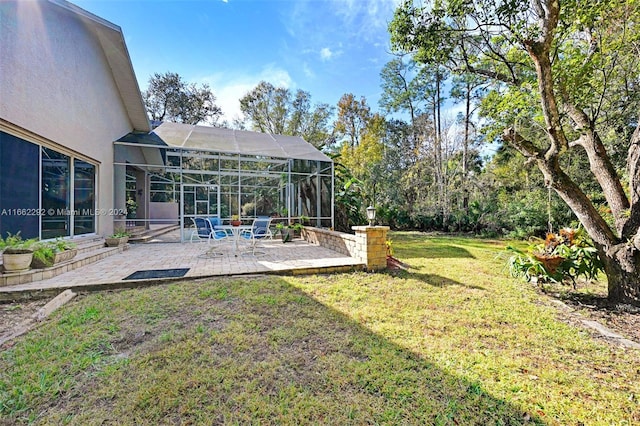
170 98
565 78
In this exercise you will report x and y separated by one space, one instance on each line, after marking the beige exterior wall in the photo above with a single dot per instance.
56 84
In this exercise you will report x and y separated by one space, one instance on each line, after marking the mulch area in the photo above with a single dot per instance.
621 319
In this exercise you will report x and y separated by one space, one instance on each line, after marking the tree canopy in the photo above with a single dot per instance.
170 98
276 110
563 81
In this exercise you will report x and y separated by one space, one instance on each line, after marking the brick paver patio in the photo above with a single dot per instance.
296 257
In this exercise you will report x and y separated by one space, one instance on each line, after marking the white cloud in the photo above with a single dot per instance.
318 26
229 86
308 71
371 16
325 53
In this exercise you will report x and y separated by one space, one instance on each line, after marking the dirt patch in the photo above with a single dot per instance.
12 315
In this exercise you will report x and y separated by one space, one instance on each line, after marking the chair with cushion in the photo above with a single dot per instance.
216 221
258 232
205 231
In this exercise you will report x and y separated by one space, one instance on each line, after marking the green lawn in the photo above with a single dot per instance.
452 341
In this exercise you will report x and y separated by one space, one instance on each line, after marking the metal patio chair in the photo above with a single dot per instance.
259 231
204 231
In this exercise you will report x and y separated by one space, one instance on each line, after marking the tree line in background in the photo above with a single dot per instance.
553 88
418 174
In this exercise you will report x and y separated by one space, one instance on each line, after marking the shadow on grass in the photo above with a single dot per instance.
594 302
439 281
257 350
428 250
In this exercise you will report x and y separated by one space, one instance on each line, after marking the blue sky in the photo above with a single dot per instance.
325 47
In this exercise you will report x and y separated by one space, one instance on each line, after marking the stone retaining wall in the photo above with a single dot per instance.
367 245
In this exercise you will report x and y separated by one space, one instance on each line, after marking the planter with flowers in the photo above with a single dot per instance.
235 220
560 258
287 232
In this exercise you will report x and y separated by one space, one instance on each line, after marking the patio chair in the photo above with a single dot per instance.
259 231
204 231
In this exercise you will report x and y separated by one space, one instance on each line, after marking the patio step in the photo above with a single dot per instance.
145 235
90 250
88 244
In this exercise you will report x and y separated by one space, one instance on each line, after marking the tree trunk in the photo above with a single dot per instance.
465 148
622 267
621 259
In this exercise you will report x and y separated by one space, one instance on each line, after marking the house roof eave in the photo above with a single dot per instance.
115 50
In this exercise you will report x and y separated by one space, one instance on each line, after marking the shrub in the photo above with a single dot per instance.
15 244
560 258
45 252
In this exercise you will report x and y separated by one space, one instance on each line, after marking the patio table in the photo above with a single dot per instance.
235 231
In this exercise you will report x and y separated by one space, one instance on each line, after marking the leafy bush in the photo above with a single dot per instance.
15 244
120 233
561 258
45 252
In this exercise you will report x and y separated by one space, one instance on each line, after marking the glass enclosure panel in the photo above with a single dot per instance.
229 164
325 168
266 199
130 183
248 185
308 197
189 203
55 194
229 180
228 204
173 159
304 166
210 163
248 209
165 188
325 195
84 197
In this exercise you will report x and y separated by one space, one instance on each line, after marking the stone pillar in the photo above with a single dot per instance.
371 246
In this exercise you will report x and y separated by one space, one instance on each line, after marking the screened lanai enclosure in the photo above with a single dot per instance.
165 178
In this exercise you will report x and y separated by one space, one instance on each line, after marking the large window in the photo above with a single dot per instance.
44 193
56 194
19 186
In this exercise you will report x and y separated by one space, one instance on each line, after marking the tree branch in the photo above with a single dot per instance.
568 190
599 162
632 226
539 52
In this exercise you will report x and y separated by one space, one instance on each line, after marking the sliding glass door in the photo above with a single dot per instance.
84 197
68 195
56 194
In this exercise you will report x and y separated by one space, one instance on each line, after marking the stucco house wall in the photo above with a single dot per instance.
59 87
